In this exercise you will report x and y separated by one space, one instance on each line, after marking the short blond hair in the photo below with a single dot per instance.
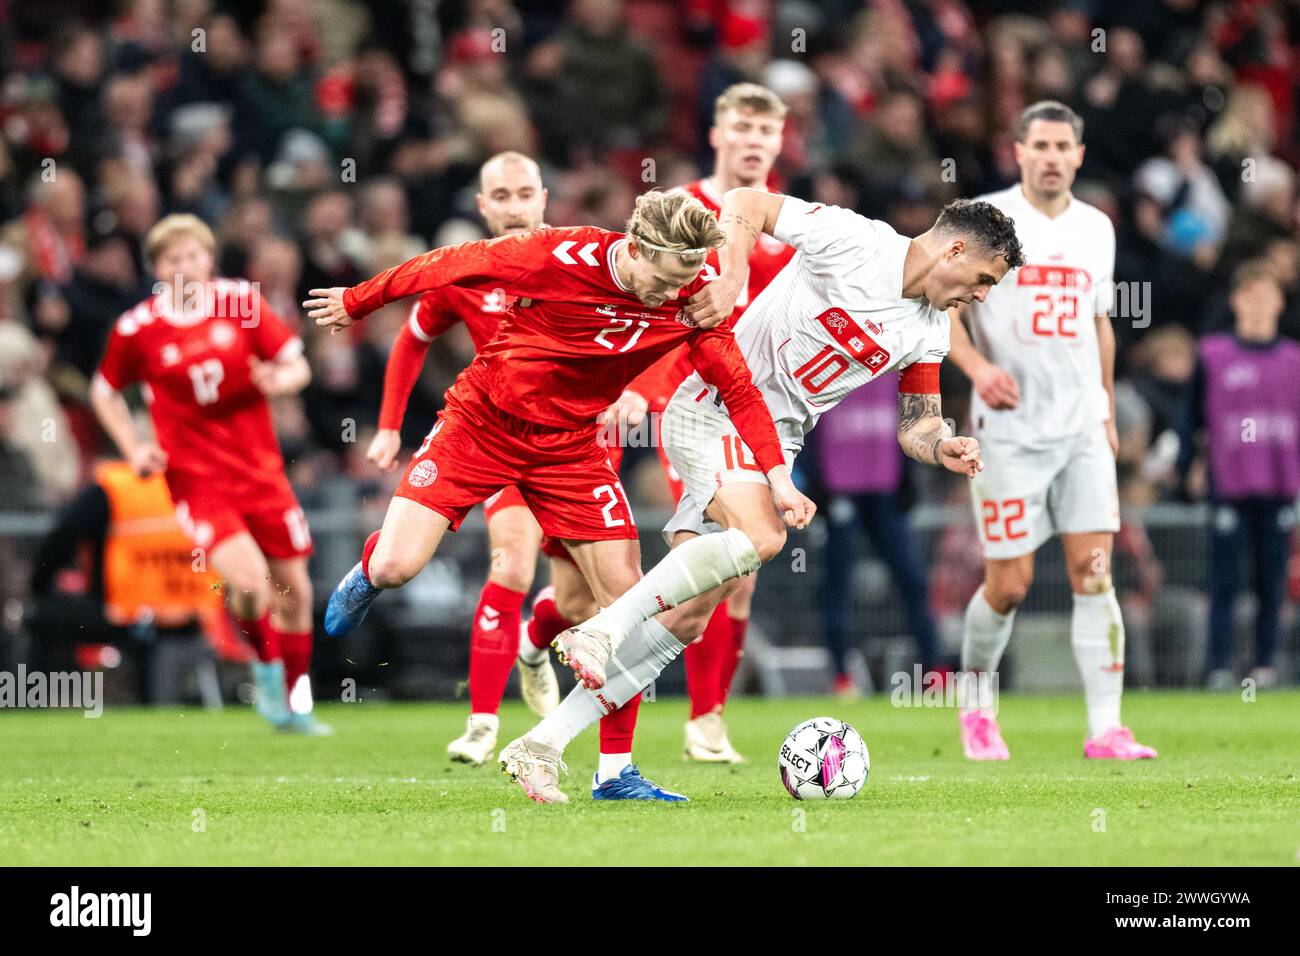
674 224
176 226
749 96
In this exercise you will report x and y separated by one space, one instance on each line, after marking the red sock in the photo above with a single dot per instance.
739 627
493 646
704 663
264 639
296 648
546 624
366 551
616 729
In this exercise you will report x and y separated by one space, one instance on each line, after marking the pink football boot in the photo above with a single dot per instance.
1117 744
981 737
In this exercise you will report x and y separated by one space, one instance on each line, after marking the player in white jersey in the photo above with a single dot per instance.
1042 363
856 300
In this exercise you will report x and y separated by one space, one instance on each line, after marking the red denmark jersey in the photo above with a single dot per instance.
433 314
211 420
574 337
768 258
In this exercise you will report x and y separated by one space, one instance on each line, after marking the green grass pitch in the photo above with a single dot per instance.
193 788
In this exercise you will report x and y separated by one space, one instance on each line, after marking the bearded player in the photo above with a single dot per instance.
746 138
511 200
211 353
1041 358
857 300
593 310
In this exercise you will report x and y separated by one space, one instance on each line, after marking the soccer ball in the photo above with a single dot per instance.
824 759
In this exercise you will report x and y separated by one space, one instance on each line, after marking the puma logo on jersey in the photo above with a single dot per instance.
586 253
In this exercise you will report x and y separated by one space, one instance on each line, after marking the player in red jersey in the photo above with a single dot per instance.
511 200
746 138
209 353
594 309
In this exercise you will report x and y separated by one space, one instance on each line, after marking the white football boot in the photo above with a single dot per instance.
537 683
476 744
535 767
706 740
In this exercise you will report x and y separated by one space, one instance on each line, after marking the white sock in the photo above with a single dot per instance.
611 765
699 565
985 633
1097 635
639 660
528 651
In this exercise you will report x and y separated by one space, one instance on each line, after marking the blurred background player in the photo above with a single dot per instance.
746 139
511 200
1041 355
1245 399
211 354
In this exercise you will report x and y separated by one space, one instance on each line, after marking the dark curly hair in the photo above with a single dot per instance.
985 224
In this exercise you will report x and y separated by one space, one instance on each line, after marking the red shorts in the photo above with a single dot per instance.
507 497
563 475
210 515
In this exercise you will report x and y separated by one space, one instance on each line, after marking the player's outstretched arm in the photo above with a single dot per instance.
994 384
925 437
492 261
745 213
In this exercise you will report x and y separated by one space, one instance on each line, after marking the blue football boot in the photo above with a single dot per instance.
630 785
348 604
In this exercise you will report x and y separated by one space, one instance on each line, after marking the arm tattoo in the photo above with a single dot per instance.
749 226
921 427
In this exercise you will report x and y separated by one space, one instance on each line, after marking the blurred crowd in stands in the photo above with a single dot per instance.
326 140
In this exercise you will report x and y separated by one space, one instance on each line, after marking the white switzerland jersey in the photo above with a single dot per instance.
1039 324
833 319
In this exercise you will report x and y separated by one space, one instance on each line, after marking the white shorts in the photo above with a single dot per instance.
1025 495
707 452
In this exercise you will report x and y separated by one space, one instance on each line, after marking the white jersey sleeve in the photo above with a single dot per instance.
831 239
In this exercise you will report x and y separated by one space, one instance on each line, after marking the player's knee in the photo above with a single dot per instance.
1007 594
387 570
248 597
768 542
512 570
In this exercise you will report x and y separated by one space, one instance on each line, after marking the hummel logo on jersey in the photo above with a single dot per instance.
586 253
489 619
609 310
